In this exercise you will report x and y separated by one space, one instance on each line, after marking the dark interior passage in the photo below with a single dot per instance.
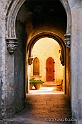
43 15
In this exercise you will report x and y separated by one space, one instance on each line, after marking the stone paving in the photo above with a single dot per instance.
44 109
48 106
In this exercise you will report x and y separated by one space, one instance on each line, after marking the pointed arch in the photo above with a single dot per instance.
49 35
13 10
11 15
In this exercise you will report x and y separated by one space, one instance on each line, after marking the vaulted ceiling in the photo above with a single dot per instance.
43 15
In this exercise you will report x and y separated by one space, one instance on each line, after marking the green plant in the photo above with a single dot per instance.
39 81
35 83
32 81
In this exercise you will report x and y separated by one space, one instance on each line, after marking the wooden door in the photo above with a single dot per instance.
50 69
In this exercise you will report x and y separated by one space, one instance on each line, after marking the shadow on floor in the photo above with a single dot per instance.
44 109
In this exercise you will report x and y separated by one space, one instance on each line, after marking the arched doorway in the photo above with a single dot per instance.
34 30
54 50
36 66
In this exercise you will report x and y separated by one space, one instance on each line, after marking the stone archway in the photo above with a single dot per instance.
56 38
11 38
13 10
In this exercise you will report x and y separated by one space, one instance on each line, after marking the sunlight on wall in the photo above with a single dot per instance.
43 49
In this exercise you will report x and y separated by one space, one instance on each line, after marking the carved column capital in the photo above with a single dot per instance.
11 45
30 60
67 38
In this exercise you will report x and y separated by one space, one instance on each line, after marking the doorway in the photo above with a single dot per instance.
38 22
50 69
51 72
36 66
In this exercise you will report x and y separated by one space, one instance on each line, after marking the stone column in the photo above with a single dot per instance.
8 94
67 38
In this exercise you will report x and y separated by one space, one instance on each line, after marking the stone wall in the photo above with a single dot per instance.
76 59
10 64
7 60
19 69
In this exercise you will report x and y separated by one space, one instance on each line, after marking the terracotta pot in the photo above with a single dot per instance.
59 88
37 86
31 85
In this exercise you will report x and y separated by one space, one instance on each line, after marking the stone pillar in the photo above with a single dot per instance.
76 63
8 98
67 38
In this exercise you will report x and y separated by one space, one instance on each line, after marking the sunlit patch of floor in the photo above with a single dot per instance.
45 90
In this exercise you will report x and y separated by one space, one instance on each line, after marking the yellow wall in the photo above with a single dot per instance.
44 48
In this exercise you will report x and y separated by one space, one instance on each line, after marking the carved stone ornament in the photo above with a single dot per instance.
67 38
11 45
30 60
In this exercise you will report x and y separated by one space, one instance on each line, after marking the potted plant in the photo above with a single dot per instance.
37 84
32 82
